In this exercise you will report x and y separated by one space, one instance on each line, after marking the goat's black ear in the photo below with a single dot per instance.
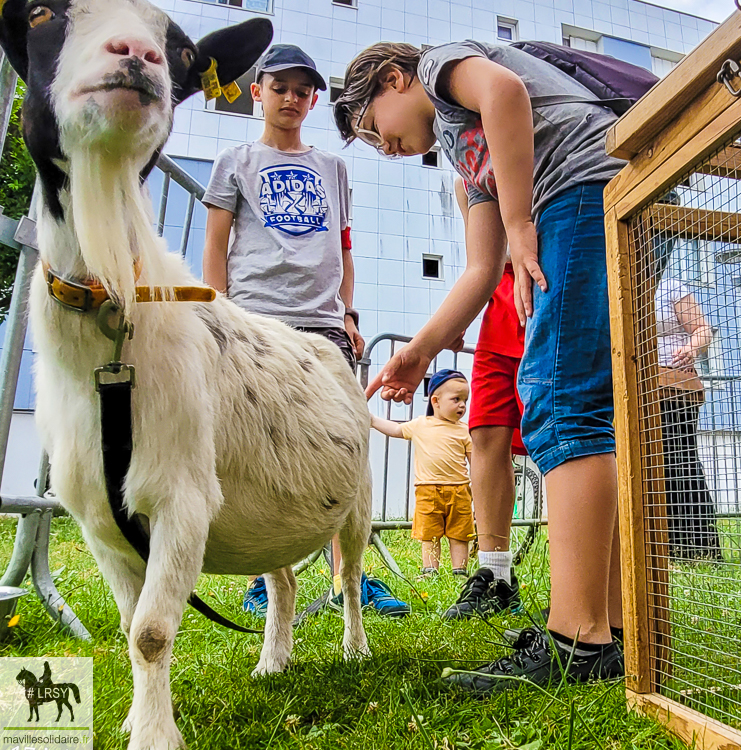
235 49
13 29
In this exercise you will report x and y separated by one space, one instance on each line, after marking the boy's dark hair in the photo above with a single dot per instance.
363 79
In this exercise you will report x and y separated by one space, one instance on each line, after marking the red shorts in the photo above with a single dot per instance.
494 398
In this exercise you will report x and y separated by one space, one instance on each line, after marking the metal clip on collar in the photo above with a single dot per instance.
729 70
115 371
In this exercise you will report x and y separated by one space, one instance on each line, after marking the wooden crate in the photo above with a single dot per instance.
687 126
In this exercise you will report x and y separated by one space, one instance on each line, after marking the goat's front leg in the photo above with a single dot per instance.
276 648
177 544
124 572
353 541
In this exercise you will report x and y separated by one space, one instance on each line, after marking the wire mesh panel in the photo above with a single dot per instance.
685 277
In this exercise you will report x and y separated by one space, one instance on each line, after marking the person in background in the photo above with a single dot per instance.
494 423
286 207
683 335
442 489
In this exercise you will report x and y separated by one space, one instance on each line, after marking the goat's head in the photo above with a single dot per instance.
109 73
103 78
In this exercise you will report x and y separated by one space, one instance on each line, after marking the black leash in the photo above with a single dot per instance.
114 383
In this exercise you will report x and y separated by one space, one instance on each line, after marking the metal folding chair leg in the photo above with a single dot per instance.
52 600
25 540
387 557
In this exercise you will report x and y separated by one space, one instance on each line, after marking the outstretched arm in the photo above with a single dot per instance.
485 255
386 426
500 97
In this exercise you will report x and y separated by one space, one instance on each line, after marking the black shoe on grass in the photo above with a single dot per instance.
540 659
483 595
511 635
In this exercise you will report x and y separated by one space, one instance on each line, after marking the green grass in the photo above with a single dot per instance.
390 701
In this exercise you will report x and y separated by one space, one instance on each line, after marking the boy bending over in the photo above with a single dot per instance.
530 141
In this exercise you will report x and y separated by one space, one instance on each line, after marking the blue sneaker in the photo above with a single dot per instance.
256 598
375 593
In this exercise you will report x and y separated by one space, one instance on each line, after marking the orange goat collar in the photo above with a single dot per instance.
91 294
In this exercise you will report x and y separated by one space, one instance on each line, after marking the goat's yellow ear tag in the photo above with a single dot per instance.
210 82
231 92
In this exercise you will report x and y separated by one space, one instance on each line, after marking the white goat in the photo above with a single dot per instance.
250 439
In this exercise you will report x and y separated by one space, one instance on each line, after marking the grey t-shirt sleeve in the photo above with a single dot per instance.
222 190
343 187
432 65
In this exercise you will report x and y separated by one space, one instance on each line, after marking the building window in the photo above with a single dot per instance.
346 3
661 64
587 45
692 261
578 38
426 387
335 88
432 267
243 105
261 6
506 29
431 158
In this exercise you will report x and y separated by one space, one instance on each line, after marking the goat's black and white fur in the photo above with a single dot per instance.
250 439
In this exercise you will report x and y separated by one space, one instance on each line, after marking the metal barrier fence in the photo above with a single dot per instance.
391 460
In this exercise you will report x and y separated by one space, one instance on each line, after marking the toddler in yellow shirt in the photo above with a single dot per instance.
442 446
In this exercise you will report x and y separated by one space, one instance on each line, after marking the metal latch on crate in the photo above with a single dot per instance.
728 71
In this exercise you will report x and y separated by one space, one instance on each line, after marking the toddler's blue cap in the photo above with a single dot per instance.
440 377
285 56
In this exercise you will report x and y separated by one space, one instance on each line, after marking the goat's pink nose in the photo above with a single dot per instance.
135 48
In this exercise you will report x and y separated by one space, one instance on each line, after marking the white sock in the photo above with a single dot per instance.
499 563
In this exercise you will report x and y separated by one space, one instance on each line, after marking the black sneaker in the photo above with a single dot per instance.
539 659
483 595
511 635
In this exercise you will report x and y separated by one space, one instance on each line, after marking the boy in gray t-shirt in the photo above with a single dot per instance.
278 241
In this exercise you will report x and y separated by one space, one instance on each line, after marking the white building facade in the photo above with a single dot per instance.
407 233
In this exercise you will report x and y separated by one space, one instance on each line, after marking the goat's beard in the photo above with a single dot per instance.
112 221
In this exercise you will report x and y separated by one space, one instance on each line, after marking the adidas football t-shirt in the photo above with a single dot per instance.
285 252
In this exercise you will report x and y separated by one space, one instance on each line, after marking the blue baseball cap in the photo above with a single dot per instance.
440 377
285 56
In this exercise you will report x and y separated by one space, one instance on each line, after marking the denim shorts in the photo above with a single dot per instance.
565 378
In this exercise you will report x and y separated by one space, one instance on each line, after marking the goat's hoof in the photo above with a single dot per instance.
270 666
356 652
168 740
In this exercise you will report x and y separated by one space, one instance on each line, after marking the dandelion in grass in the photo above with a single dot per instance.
292 722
